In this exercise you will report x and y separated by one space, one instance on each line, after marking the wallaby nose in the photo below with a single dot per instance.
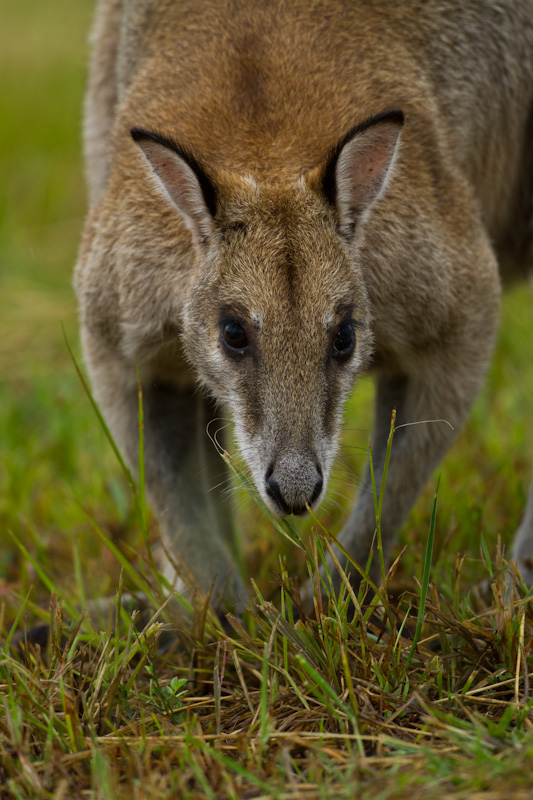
293 485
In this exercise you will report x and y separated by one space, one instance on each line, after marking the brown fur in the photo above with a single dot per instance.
256 100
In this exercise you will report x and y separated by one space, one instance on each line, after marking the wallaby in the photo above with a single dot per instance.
283 195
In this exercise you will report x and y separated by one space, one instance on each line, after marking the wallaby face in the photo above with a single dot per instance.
278 323
337 186
281 352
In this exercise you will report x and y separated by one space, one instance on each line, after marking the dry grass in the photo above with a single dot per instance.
386 694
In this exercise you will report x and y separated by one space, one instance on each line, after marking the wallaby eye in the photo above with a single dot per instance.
234 335
344 342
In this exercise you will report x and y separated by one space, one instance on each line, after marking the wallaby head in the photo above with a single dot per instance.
276 322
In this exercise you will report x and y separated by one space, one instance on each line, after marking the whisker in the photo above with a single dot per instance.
229 494
339 494
227 483
342 471
330 501
354 448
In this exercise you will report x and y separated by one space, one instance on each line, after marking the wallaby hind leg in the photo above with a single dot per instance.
178 460
523 542
416 451
176 470
432 405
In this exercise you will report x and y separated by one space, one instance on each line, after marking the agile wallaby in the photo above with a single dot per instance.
284 194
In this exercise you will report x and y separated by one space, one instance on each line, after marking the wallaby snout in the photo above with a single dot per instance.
294 481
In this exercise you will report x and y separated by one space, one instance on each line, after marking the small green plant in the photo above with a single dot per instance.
165 699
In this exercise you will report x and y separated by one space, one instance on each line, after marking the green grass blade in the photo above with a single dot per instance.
16 621
106 430
428 555
40 572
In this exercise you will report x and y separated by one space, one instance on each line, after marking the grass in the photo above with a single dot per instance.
432 694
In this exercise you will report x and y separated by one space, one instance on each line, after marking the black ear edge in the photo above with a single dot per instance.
208 190
328 181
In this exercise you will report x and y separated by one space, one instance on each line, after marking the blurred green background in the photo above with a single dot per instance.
52 457
43 53
56 470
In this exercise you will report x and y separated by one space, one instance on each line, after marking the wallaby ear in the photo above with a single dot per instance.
360 167
182 181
